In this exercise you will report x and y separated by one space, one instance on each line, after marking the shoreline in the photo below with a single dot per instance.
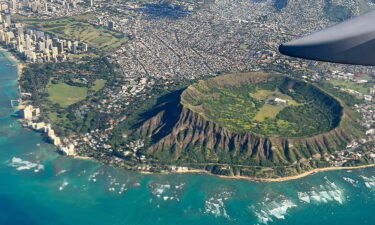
299 176
252 179
21 66
266 180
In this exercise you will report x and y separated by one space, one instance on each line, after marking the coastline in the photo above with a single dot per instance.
299 176
21 66
265 180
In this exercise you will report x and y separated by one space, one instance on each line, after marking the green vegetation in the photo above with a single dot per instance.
76 29
98 84
336 13
279 106
364 6
56 88
267 111
348 99
351 85
66 95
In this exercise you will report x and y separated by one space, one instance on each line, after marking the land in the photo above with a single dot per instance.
185 132
76 29
66 95
150 51
269 107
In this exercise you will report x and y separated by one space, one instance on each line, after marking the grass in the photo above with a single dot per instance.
244 106
351 85
268 111
76 29
263 95
66 95
98 84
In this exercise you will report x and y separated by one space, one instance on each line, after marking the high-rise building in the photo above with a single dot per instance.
75 47
14 5
55 52
85 47
69 45
8 37
61 46
28 112
8 20
21 48
28 42
41 46
48 43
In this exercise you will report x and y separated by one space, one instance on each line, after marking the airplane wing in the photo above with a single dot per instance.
350 42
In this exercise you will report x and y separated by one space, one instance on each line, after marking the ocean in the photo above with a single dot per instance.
39 186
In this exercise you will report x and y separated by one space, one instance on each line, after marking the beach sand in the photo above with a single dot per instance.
280 179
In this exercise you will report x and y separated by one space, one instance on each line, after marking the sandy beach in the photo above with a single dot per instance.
302 175
281 179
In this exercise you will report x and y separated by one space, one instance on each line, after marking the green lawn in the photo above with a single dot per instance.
268 111
98 84
74 29
66 95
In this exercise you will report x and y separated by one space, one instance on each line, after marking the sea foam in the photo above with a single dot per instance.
269 209
21 164
215 205
167 191
323 194
369 182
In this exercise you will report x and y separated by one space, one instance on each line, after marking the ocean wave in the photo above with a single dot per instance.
351 181
93 176
369 182
63 185
159 189
215 205
167 191
21 164
269 209
324 193
60 172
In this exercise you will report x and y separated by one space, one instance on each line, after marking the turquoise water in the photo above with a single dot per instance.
38 186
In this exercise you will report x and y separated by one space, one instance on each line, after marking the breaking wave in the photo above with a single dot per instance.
20 164
215 205
271 209
324 193
369 182
167 191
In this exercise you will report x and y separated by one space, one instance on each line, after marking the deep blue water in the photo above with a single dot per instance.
38 186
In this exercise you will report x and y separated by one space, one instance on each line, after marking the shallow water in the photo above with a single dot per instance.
38 186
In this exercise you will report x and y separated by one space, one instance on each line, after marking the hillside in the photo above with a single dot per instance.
190 128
